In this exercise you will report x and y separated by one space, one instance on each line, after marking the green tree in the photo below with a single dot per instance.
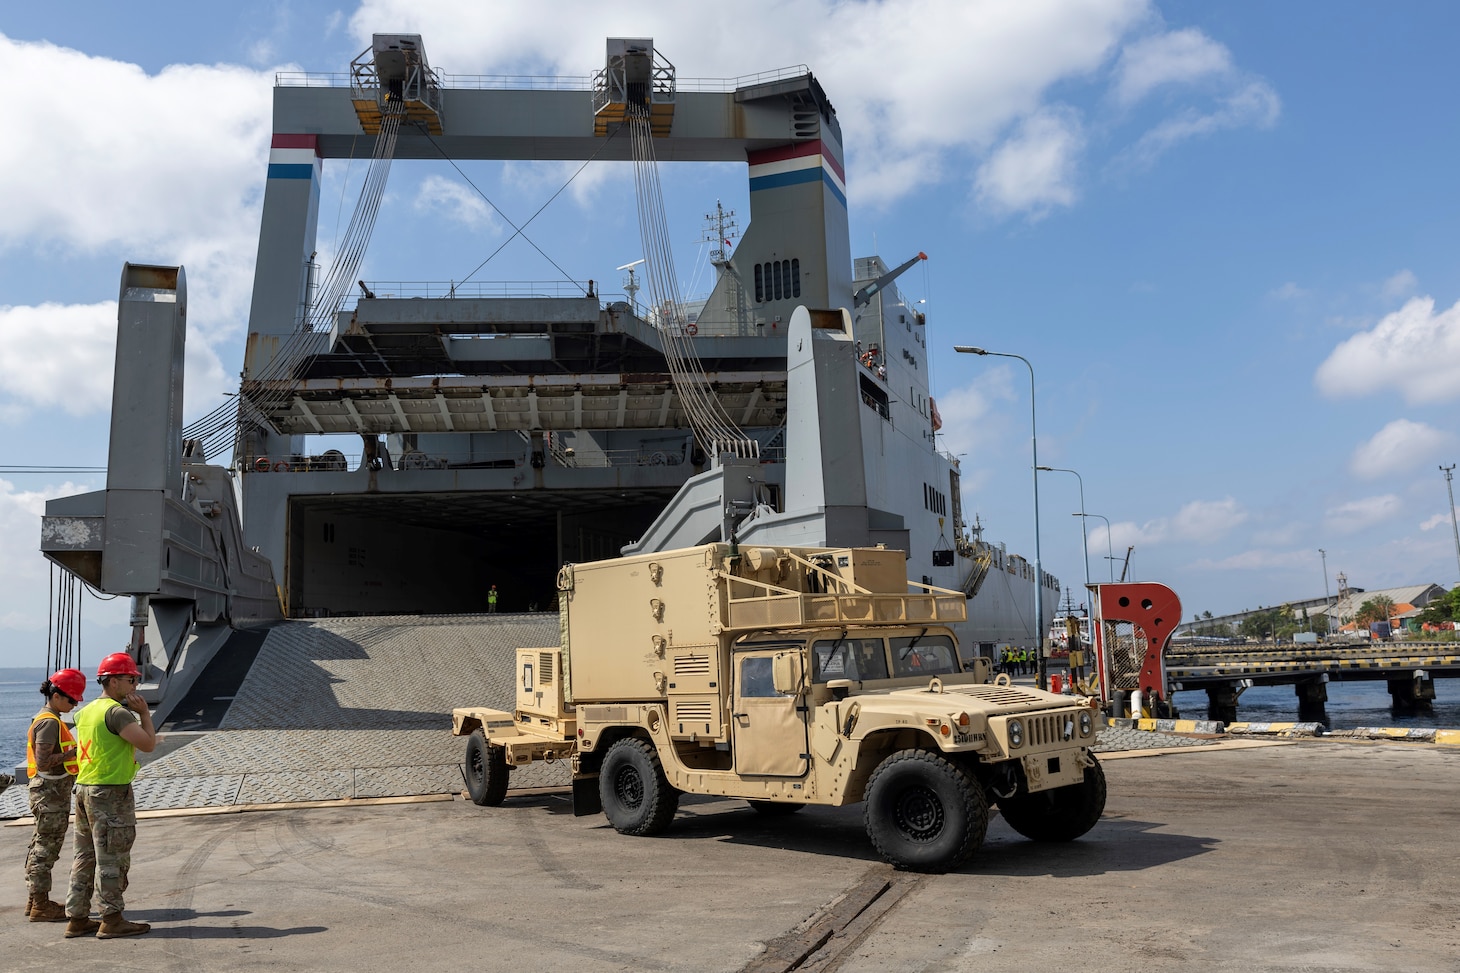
1379 608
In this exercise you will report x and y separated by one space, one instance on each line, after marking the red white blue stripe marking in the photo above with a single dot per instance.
294 157
794 164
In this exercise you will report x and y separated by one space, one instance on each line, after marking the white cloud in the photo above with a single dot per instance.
57 357
1438 520
1254 105
1400 445
1034 169
456 201
1258 559
583 182
1178 57
1289 291
1413 351
965 412
1403 284
1200 521
1357 515
90 178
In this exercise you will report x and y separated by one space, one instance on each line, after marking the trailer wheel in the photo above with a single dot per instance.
486 770
1061 814
923 813
637 798
775 809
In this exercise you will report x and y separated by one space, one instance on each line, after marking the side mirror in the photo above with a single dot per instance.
786 673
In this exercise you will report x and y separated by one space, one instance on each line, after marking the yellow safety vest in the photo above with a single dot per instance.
66 739
105 757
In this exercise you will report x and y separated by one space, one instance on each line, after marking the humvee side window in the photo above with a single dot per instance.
756 678
848 659
929 655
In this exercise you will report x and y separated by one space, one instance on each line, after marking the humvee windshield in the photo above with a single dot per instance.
930 655
848 659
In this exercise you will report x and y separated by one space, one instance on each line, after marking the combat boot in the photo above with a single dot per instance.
114 926
42 909
83 926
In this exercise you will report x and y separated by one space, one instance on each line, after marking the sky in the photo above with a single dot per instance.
1224 235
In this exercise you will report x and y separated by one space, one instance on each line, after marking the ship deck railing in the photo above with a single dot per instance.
505 459
538 82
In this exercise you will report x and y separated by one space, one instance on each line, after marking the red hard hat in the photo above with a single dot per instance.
69 681
117 664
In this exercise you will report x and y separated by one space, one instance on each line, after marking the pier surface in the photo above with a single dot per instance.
1299 856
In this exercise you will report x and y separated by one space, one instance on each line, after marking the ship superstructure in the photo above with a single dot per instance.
502 430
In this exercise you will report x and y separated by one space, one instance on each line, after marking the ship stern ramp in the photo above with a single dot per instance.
336 709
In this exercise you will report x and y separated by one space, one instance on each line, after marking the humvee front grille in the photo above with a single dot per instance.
1046 730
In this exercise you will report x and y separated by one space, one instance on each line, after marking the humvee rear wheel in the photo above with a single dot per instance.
923 814
1061 814
775 809
486 770
636 796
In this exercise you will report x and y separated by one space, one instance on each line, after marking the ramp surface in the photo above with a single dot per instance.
345 708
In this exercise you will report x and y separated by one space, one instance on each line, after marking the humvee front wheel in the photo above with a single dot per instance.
1060 814
923 814
637 798
486 770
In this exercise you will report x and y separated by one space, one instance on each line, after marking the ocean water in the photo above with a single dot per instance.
20 699
1350 705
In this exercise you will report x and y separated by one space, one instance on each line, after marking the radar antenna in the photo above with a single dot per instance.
631 283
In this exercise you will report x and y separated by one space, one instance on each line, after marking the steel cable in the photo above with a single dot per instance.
712 425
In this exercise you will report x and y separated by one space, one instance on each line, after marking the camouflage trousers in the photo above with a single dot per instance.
106 826
50 804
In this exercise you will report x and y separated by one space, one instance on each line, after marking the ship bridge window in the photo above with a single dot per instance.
777 280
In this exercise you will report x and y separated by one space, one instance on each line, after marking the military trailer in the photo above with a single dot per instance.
785 677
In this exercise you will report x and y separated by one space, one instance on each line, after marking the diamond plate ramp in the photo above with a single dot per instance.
348 708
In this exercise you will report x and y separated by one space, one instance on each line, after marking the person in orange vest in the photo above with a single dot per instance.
109 732
50 761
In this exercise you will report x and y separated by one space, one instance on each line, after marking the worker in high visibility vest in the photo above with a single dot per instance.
50 762
492 599
109 732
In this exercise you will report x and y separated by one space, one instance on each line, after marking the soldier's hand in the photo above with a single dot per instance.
136 703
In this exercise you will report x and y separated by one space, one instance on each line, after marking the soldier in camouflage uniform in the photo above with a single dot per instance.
50 758
109 732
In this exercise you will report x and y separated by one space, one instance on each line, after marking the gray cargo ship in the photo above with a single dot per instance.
398 450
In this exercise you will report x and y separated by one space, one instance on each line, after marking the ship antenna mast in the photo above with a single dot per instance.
631 283
720 229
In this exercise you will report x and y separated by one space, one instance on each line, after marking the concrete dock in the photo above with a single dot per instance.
1276 857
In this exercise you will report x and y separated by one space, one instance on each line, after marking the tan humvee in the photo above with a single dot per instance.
787 677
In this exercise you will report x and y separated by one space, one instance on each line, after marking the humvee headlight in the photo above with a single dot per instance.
1016 733
1087 725
963 719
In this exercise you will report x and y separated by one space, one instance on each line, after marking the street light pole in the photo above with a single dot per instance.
1084 541
1109 554
1327 617
1449 472
1039 624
